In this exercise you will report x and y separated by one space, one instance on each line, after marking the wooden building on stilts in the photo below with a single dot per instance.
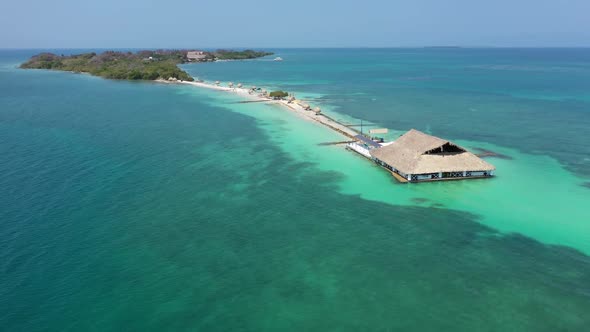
416 156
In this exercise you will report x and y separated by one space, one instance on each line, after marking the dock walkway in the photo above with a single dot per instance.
323 119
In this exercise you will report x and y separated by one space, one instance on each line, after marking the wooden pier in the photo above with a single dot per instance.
398 177
335 143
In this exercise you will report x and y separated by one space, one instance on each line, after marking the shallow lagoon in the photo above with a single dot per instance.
524 198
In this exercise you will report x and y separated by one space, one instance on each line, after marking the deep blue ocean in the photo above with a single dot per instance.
136 206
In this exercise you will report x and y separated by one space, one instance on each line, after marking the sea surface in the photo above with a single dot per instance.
136 206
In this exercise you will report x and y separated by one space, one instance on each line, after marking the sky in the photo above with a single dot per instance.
298 23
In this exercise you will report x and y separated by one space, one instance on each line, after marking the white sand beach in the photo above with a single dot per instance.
248 94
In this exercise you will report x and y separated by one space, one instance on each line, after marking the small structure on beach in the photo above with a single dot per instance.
217 82
231 84
317 110
240 85
303 104
416 156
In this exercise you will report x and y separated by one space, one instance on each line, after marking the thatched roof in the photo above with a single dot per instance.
418 153
302 104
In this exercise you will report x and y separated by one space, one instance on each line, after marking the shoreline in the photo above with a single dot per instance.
290 106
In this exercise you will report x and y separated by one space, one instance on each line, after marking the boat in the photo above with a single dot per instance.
278 59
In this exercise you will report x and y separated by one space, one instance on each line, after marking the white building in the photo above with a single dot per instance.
196 55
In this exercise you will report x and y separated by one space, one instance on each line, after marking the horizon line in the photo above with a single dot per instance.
296 47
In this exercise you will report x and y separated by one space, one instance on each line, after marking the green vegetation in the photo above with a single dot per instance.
143 65
279 94
239 55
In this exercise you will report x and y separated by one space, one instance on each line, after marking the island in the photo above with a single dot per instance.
142 65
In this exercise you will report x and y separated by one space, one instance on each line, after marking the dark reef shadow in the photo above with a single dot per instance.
419 200
483 153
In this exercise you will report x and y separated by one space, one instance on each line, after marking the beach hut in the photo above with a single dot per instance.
217 82
317 110
416 157
231 84
303 105
240 85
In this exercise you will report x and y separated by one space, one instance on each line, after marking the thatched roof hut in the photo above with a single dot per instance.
231 84
304 105
317 110
240 85
416 153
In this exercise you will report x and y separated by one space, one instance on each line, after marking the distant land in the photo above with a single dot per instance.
142 65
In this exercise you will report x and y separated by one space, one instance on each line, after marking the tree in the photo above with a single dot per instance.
278 94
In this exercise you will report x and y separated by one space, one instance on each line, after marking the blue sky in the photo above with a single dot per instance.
298 23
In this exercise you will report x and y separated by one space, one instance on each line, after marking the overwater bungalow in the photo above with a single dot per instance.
416 157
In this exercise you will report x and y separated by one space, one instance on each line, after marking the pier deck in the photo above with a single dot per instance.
398 177
325 120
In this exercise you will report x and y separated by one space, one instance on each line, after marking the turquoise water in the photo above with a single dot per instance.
529 104
138 206
533 100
